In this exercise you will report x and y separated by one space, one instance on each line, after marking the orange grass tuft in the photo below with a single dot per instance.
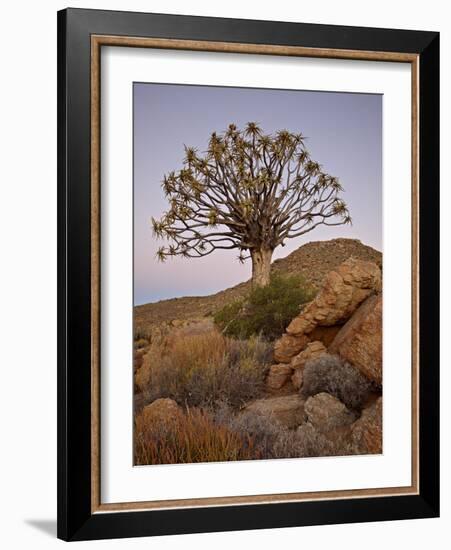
193 438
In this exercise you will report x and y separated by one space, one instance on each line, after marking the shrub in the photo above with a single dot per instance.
141 333
330 374
217 435
141 343
263 431
199 370
194 438
270 440
307 441
266 311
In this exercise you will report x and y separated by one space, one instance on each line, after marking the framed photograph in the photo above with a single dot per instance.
248 274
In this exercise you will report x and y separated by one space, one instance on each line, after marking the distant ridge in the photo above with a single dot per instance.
313 260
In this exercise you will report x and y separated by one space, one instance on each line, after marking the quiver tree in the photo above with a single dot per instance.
249 191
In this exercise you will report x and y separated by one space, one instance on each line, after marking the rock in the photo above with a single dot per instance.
163 411
360 274
360 339
287 410
342 292
367 430
327 413
278 376
313 350
325 335
288 346
178 323
298 378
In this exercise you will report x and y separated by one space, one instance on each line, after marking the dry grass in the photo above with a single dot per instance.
141 333
194 438
211 376
199 370
222 435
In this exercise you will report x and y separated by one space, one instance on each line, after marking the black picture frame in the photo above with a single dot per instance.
75 518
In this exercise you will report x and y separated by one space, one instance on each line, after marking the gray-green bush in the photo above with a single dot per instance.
331 374
271 440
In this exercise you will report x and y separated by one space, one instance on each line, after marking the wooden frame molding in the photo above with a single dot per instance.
97 41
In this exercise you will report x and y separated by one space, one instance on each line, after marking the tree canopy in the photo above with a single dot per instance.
248 191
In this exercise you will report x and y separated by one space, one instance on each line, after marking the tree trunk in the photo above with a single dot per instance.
261 265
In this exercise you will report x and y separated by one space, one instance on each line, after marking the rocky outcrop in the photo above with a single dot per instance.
367 430
278 375
287 410
326 413
360 339
342 292
325 335
345 318
288 346
343 323
297 379
313 350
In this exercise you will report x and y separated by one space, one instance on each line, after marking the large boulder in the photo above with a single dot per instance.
278 375
367 430
325 335
360 339
288 346
161 412
313 350
326 413
287 410
342 292
297 379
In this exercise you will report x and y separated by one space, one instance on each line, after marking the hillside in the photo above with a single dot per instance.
314 260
